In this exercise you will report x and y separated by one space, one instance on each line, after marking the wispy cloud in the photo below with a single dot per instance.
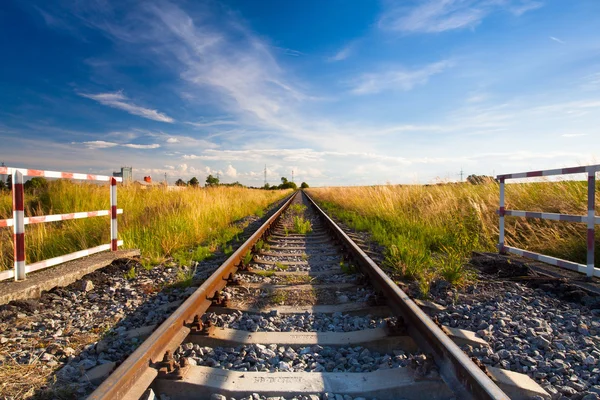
432 16
101 144
591 82
212 123
557 40
120 101
570 135
343 53
397 78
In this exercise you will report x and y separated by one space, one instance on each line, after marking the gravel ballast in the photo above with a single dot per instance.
307 322
531 331
274 358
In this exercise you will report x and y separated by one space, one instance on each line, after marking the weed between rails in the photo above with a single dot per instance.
302 225
429 232
159 223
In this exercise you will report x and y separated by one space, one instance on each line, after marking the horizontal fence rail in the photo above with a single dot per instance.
591 219
18 221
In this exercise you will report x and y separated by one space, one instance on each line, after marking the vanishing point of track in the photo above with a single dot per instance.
406 355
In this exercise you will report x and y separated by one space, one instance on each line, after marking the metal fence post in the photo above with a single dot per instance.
501 214
591 222
19 224
113 215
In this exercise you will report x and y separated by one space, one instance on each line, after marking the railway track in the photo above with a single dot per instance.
292 314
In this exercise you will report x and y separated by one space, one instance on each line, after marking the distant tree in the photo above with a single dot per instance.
285 184
194 182
2 185
304 185
9 182
212 181
266 187
35 184
180 182
479 179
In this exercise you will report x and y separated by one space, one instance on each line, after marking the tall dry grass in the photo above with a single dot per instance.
158 222
429 230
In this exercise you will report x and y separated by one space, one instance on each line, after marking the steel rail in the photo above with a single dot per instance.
461 374
135 374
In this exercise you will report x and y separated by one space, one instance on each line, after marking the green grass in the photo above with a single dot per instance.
429 232
160 223
301 225
184 278
266 274
297 209
130 274
281 266
247 259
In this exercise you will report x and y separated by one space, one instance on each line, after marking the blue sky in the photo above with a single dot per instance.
343 92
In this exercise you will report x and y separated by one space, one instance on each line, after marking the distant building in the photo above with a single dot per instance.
126 173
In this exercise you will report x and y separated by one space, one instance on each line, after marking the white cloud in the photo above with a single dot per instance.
142 146
230 171
98 144
172 140
431 16
570 135
557 40
120 101
397 78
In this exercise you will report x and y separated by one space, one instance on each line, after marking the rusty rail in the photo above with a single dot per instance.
460 373
135 374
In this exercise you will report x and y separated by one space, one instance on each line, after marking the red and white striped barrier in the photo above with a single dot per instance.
19 221
56 174
19 224
591 219
58 217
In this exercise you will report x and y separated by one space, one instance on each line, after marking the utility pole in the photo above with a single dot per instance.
265 175
292 175
461 174
166 183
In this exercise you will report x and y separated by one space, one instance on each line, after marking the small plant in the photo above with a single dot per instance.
451 267
201 253
130 274
149 263
281 267
297 209
259 245
266 274
304 257
228 250
302 226
185 277
247 259
286 231
347 268
182 258
279 296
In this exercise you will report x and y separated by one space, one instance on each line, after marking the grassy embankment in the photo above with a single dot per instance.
429 231
188 225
